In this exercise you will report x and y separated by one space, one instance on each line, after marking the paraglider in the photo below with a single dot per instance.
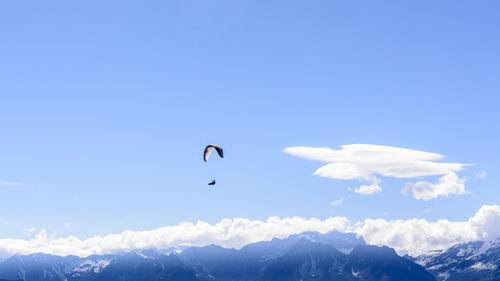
206 154
209 149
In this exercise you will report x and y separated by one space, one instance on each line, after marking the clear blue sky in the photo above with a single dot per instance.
106 106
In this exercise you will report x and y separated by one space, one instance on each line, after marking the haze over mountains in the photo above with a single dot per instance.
306 256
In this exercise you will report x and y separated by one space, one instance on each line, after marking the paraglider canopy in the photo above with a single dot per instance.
209 149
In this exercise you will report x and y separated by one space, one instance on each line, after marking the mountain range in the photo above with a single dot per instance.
307 256
477 260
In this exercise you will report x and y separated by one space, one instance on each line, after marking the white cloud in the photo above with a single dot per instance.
369 189
367 161
235 232
482 175
448 184
415 236
337 202
486 222
418 236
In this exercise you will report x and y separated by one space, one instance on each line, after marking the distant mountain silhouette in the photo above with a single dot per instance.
308 256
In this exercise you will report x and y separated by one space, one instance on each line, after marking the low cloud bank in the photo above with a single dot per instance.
415 236
233 233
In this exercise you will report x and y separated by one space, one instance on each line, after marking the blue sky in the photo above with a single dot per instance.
106 108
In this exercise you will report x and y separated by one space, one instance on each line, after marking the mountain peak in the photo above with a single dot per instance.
373 251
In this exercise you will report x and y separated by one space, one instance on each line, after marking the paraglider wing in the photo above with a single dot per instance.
209 149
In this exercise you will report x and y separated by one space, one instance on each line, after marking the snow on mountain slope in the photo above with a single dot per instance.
476 260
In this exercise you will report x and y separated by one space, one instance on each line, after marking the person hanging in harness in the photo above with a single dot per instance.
208 151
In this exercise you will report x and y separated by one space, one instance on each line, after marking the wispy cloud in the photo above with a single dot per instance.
337 202
10 183
412 235
30 230
367 162
482 175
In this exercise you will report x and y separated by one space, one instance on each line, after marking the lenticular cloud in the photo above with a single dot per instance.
367 161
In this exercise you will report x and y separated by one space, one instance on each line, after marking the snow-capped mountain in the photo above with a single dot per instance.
143 265
88 267
37 267
468 261
308 261
306 256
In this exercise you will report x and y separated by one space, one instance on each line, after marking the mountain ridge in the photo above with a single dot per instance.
476 260
307 256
